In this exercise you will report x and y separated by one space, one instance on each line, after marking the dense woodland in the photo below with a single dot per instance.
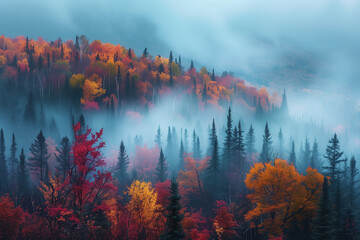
225 160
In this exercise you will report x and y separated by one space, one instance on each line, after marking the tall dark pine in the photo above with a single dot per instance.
322 229
198 149
266 150
315 156
212 136
38 162
122 166
213 75
292 157
306 160
161 168
352 228
238 147
250 142
333 155
228 139
158 138
173 227
13 162
3 164
22 178
213 169
64 162
29 114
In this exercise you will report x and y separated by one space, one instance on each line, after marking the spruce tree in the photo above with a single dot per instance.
292 157
194 148
22 178
173 226
169 143
352 228
158 137
228 139
161 168
64 163
122 166
181 155
333 156
198 148
306 160
38 162
213 169
266 150
250 142
322 229
3 164
212 136
13 162
315 161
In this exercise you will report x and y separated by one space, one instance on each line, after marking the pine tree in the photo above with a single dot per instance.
213 76
3 164
191 65
238 147
307 155
281 143
173 227
181 155
315 156
213 169
228 139
323 221
292 157
284 105
29 114
161 168
169 143
266 150
333 155
198 148
38 162
13 162
195 155
63 158
22 177
250 142
212 136
158 137
122 166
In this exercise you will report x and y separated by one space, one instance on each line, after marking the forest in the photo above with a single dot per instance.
99 141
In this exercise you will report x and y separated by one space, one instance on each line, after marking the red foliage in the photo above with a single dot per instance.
11 218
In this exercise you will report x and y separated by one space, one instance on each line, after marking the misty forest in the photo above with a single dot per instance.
100 140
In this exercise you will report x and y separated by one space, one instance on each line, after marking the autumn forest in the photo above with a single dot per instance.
99 141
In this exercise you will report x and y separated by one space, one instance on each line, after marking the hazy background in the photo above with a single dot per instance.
311 48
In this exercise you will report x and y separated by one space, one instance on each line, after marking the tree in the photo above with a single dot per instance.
306 158
38 162
194 147
11 218
173 227
3 164
315 161
212 136
351 228
281 143
292 157
238 147
13 162
228 139
224 222
266 150
323 221
63 159
29 114
250 142
213 170
333 156
158 138
161 168
281 195
284 105
198 149
22 178
122 166
181 154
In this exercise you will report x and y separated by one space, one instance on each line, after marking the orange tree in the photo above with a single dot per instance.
281 195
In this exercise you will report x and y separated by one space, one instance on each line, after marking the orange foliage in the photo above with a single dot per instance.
280 194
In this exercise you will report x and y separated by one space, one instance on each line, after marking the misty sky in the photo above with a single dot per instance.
295 44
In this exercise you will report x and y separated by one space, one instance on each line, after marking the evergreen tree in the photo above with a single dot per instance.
191 65
158 137
284 104
145 53
29 114
82 124
122 166
22 178
171 58
195 155
306 160
186 141
238 146
63 158
213 169
213 76
169 143
198 149
212 136
38 162
292 157
181 155
228 139
3 164
281 143
173 227
333 156
266 150
323 221
13 162
161 168
315 161
250 142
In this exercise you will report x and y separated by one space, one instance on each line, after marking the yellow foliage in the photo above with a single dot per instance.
92 89
77 80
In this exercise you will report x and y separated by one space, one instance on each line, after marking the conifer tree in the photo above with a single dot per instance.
181 155
292 157
63 158
186 141
213 75
323 221
158 137
174 217
198 148
212 136
213 169
3 164
333 156
307 155
250 142
315 156
122 166
13 162
38 162
281 143
161 168
169 143
266 150
228 139
22 179
194 146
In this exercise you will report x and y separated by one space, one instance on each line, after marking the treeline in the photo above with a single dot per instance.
225 190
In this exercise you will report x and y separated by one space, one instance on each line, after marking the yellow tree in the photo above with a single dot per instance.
281 195
92 89
145 219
